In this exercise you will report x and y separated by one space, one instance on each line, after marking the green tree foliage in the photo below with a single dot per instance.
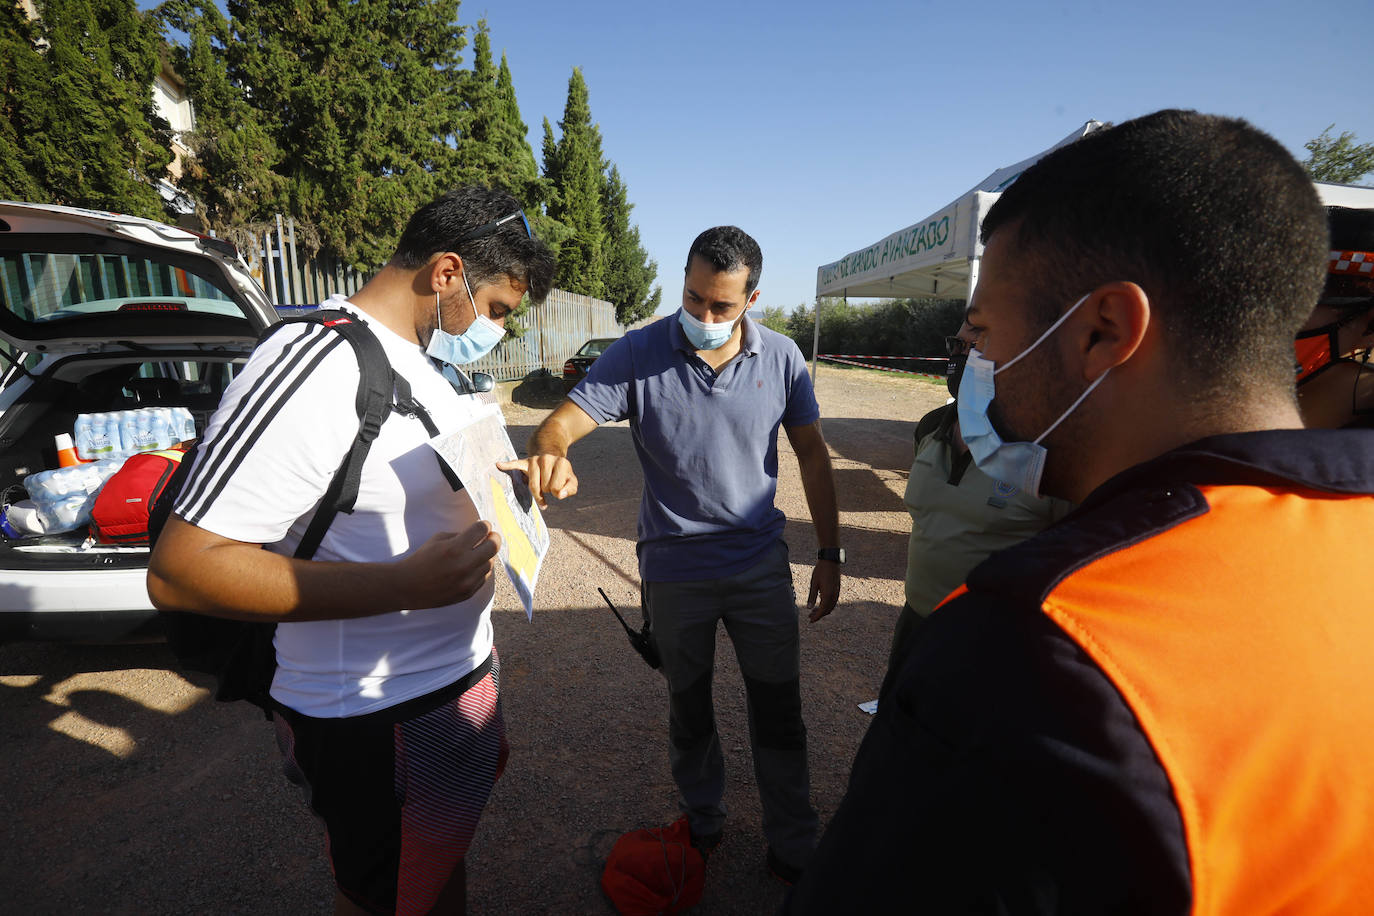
891 327
17 36
629 272
1338 159
528 186
232 175
573 164
492 139
348 104
772 317
79 124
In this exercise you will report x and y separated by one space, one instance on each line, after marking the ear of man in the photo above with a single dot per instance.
1112 327
447 269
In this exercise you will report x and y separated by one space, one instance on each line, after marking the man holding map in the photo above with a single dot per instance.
386 684
705 393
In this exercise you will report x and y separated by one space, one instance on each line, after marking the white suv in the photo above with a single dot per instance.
101 312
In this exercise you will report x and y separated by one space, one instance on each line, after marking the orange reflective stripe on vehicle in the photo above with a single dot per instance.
1240 639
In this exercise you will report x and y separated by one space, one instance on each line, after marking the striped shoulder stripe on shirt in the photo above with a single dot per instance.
278 382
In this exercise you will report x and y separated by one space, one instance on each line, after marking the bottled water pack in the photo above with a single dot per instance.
63 497
121 433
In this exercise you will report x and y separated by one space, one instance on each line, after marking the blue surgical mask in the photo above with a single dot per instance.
1018 464
471 345
705 335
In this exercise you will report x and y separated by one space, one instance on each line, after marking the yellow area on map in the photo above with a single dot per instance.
520 552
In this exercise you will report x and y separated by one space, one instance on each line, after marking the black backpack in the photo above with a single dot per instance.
240 653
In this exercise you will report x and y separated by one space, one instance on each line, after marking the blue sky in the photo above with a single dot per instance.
822 127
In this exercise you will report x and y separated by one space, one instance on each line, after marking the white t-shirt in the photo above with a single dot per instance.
270 450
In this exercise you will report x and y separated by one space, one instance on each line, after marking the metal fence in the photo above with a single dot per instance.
291 280
554 331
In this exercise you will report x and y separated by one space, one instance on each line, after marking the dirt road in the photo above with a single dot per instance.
124 789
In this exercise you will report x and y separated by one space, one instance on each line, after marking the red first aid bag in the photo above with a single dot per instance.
654 870
120 513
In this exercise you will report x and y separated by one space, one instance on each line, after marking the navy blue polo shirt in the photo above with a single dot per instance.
708 442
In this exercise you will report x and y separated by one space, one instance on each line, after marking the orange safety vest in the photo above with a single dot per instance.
1250 675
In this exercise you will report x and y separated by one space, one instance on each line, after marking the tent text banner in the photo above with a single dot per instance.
934 237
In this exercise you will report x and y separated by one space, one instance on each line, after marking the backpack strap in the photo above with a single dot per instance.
412 408
377 382
405 404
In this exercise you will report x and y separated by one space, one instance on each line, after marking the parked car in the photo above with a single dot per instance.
98 313
575 369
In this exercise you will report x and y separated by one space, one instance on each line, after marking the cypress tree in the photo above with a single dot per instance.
78 93
359 98
510 136
629 271
553 172
575 169
492 146
16 59
475 159
231 175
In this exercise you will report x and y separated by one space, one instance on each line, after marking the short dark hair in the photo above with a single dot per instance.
1213 218
728 248
506 252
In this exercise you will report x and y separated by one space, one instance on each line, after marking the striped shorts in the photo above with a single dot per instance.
400 791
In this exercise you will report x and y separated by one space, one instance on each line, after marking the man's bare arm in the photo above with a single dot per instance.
192 569
547 468
818 482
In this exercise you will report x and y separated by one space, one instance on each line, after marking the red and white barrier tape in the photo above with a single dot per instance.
849 362
922 359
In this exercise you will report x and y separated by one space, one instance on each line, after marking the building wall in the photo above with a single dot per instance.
171 101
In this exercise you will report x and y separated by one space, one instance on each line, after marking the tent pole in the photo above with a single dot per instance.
816 342
973 263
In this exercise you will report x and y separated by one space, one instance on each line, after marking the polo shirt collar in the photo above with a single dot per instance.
751 342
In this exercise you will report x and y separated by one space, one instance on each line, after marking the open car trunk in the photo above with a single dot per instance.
36 409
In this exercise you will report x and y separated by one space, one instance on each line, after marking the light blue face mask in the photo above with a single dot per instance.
705 335
471 345
1017 464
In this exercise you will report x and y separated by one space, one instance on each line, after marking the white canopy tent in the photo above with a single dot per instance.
936 257
1345 195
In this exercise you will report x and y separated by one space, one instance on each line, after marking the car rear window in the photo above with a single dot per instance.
42 286
595 347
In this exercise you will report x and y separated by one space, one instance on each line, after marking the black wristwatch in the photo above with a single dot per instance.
833 554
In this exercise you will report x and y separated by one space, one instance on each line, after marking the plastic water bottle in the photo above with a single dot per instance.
127 424
104 436
81 432
159 428
184 423
63 498
37 487
47 489
66 515
143 430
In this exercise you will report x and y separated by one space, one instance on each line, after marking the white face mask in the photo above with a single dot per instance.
1019 464
705 335
473 344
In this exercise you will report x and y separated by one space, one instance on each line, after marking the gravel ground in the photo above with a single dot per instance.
124 789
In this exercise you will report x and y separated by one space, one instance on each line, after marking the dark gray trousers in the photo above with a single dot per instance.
759 609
